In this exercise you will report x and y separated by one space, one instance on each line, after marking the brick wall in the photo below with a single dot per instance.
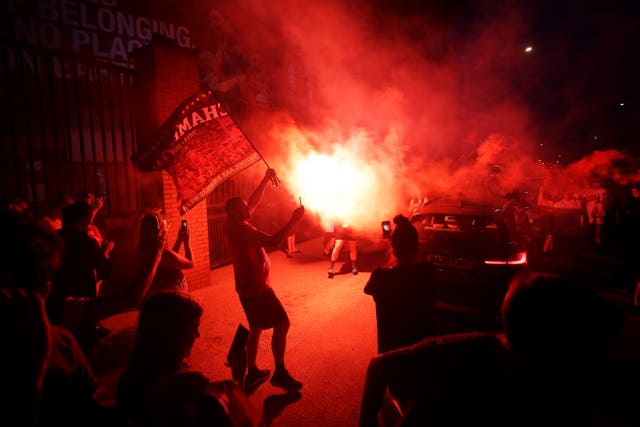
166 76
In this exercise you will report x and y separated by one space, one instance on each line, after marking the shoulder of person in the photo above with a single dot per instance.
379 270
421 268
65 342
471 341
374 278
67 355
381 273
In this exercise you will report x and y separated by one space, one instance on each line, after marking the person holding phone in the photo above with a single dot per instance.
251 266
169 275
386 229
404 294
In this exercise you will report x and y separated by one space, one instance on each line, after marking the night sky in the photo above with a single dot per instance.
583 66
427 94
445 93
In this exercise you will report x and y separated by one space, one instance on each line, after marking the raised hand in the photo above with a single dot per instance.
98 203
270 174
183 234
107 247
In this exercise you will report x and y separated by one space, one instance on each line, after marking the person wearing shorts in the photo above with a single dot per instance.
260 303
343 233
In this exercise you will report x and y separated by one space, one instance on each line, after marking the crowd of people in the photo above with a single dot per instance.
553 331
604 215
52 308
603 202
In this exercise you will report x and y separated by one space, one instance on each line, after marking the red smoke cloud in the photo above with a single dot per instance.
377 116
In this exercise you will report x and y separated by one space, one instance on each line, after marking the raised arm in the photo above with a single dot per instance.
109 305
173 259
277 238
256 197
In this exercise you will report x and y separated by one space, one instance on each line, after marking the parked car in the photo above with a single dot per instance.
476 248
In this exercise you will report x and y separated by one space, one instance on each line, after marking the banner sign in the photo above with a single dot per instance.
200 146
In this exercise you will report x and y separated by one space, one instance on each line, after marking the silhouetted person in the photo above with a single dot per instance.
328 241
343 234
631 225
74 302
84 263
25 334
416 203
96 204
169 274
157 388
545 368
251 266
30 257
405 294
595 197
290 247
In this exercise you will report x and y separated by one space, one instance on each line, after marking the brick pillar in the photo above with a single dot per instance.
165 76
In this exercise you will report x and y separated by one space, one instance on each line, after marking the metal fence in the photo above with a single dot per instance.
67 124
238 186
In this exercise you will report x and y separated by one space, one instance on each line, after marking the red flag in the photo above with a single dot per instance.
200 146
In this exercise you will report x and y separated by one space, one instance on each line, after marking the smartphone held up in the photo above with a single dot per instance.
386 229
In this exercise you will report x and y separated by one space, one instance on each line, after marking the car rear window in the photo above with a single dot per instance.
462 223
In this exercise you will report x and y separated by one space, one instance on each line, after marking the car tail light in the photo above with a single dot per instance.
519 258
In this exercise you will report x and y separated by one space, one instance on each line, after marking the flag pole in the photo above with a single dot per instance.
275 180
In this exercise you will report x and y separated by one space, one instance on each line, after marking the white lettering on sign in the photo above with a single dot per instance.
94 27
197 117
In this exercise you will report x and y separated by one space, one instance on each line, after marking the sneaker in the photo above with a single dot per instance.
354 271
255 377
330 273
284 380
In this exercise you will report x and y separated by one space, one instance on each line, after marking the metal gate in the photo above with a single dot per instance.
67 124
238 186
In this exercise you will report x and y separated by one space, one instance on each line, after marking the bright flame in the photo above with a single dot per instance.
342 182
333 187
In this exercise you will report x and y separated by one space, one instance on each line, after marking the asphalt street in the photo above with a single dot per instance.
331 340
332 335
